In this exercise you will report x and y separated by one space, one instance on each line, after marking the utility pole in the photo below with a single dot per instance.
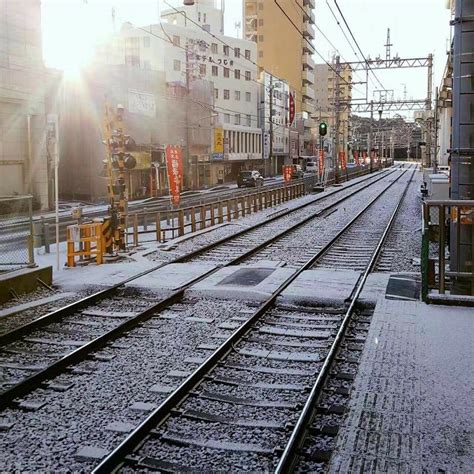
429 99
369 144
188 96
270 93
338 118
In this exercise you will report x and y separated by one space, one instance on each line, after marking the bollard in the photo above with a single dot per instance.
180 222
158 227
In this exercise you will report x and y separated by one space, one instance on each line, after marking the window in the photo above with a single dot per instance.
247 75
214 48
237 119
176 40
215 71
204 19
226 72
226 118
177 65
146 41
237 52
226 94
260 22
199 16
248 96
249 120
237 95
247 54
237 73
216 93
202 69
226 50
146 64
260 54
260 38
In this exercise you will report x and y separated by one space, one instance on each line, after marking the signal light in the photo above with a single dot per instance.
323 129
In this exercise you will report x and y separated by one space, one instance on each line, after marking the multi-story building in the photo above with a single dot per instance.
284 50
325 100
24 164
185 50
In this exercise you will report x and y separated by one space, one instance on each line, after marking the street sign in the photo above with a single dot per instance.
291 109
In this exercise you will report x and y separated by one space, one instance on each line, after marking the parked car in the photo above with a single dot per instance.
311 167
297 172
249 178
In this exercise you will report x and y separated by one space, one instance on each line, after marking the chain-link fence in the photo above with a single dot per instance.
16 232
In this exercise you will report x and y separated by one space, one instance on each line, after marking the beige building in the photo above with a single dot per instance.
281 49
325 100
24 164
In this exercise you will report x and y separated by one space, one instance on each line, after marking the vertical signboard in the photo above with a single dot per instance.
291 108
218 153
356 158
266 145
174 166
342 160
287 170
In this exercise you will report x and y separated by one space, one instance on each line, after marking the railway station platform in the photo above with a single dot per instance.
411 403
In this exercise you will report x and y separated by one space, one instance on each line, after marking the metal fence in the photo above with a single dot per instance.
16 232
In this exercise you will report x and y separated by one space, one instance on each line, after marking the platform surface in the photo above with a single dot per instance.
411 408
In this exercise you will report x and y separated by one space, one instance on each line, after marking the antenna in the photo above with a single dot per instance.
388 46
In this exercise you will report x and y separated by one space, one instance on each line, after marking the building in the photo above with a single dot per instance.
325 100
25 167
184 50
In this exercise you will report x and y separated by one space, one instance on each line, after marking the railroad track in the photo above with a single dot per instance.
40 350
250 404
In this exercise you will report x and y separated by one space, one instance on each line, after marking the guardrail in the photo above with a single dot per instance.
440 218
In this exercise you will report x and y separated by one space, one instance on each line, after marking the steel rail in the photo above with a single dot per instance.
31 383
60 313
117 457
291 452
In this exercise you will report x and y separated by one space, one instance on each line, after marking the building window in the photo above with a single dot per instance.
247 75
214 48
226 118
237 52
176 40
216 93
249 120
248 96
260 22
237 73
226 72
260 54
146 64
146 41
237 119
226 94
226 50
260 38
237 95
247 54
204 19
199 16
215 71
177 65
202 69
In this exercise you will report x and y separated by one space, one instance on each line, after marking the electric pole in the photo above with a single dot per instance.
338 119
369 144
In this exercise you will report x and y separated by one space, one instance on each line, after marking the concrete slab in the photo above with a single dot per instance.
320 287
411 405
227 283
33 304
172 277
23 281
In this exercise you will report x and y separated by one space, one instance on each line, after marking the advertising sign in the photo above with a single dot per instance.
287 169
174 166
218 140
356 158
291 109
141 103
342 160
266 145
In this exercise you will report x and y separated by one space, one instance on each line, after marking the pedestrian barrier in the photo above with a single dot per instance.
89 240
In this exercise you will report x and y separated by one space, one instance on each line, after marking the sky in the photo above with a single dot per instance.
417 28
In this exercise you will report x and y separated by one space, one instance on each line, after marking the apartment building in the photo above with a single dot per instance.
266 25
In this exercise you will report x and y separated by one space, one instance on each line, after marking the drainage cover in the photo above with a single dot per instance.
403 287
247 277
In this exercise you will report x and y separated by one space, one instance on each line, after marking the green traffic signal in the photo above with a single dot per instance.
323 129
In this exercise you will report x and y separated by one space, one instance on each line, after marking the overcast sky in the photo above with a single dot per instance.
417 28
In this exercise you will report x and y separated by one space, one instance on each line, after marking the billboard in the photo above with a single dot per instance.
174 167
141 103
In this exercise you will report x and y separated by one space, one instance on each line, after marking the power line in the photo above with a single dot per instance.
357 44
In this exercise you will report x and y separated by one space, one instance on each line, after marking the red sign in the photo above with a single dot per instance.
291 109
342 160
356 158
287 170
321 163
174 166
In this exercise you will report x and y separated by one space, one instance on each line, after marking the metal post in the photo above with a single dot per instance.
337 90
442 262
428 159
369 144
